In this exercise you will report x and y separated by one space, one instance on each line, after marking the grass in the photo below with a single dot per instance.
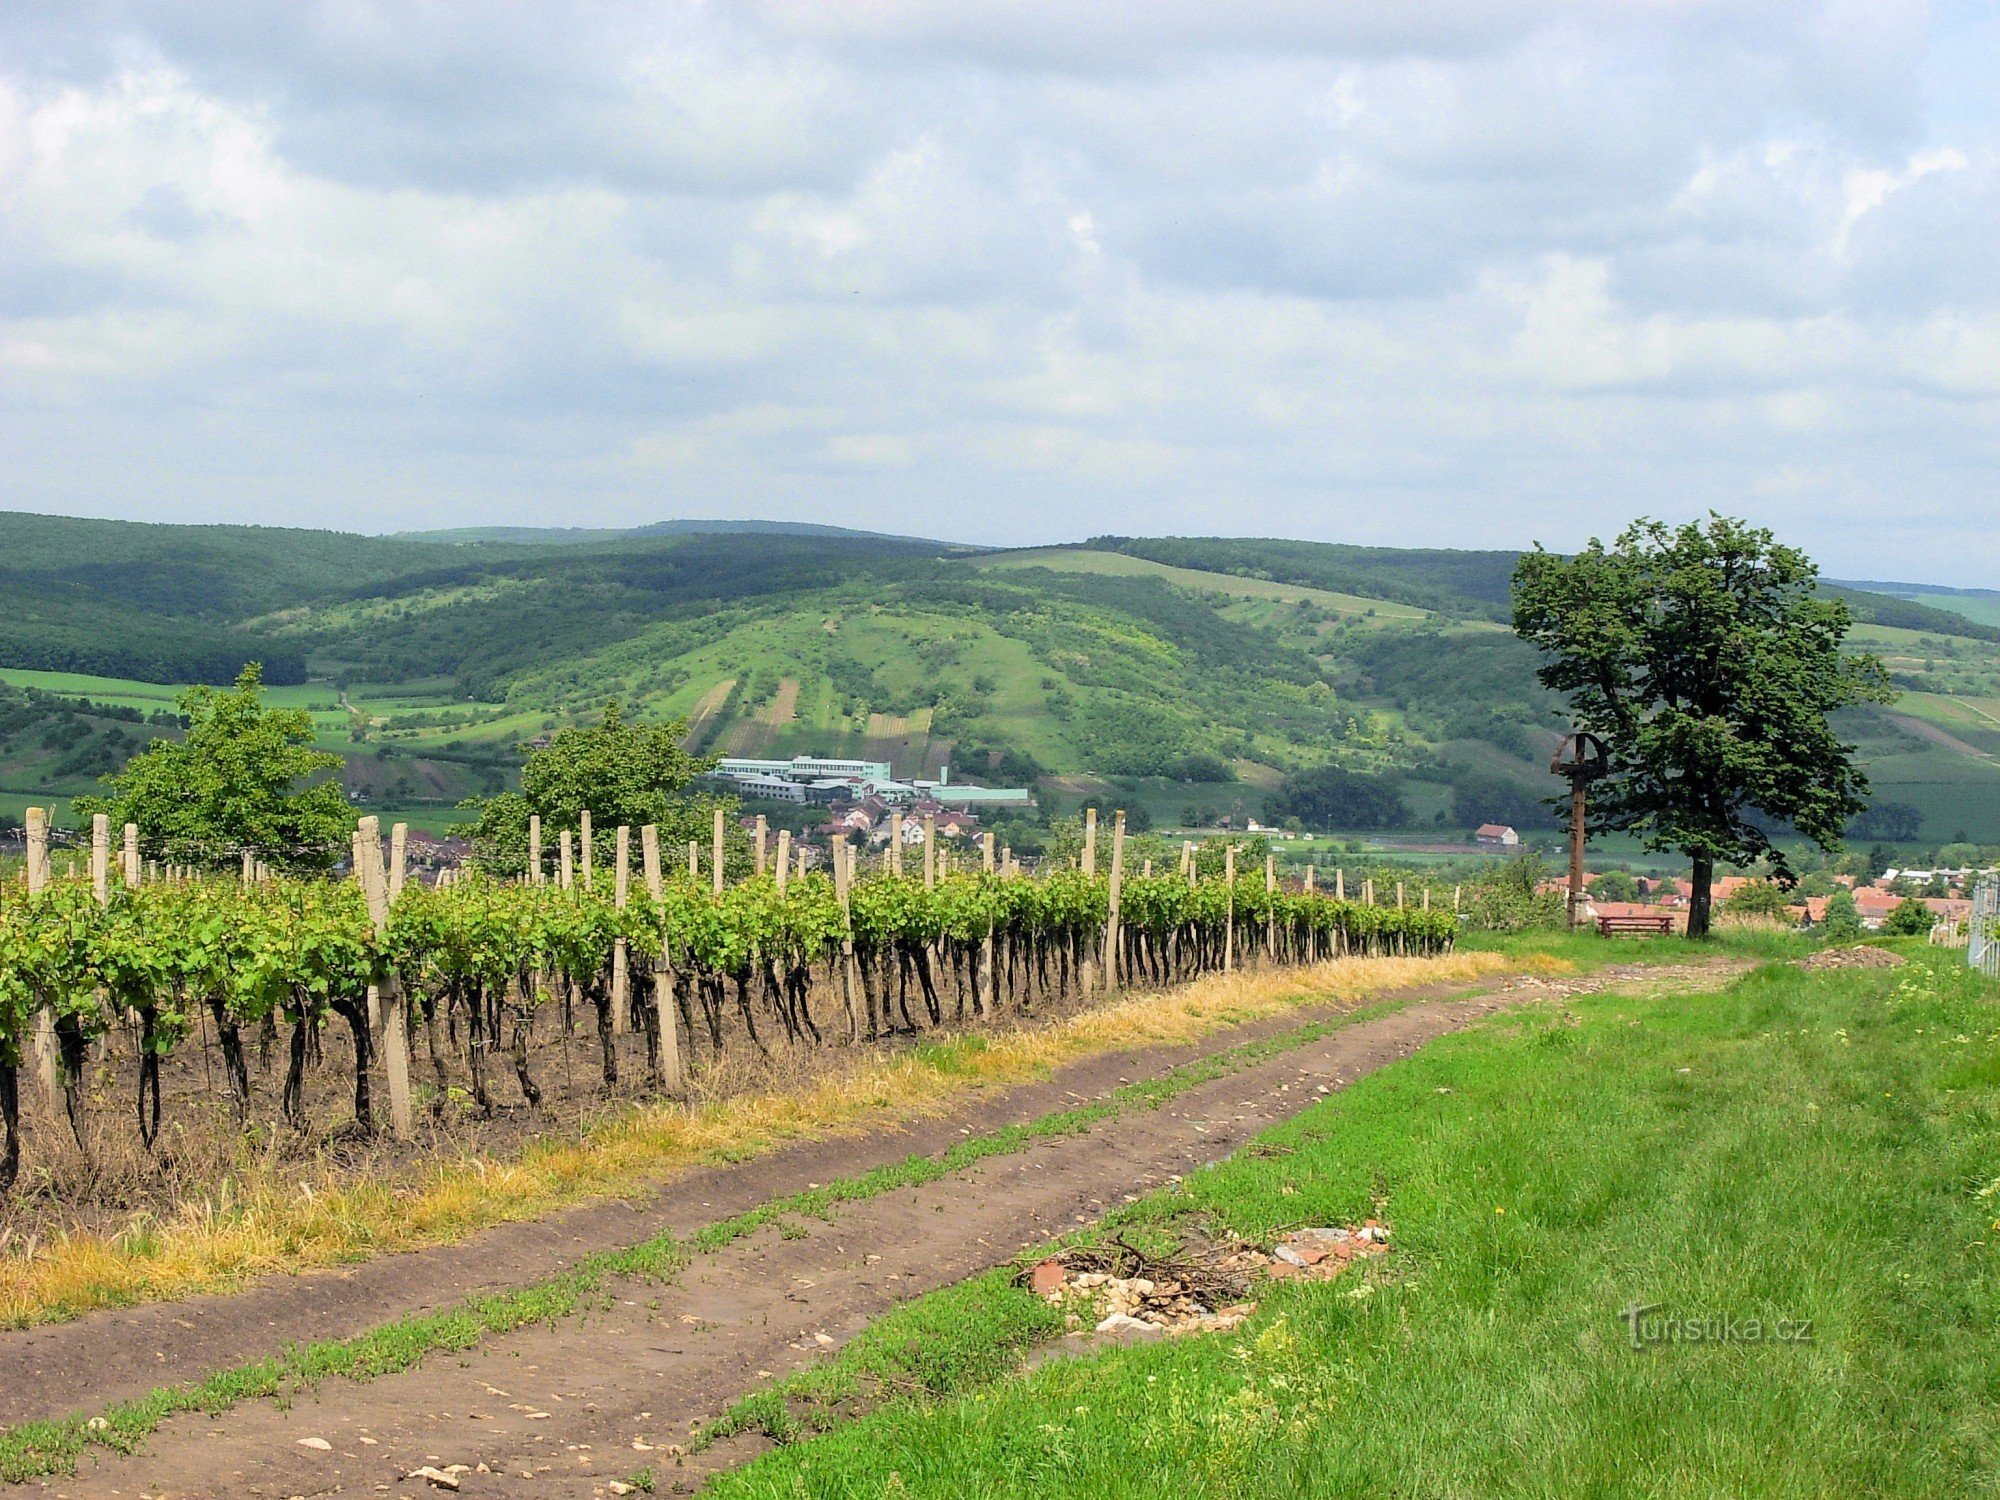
36 1449
288 1225
1798 1147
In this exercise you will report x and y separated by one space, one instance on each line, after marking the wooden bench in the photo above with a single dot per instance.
1612 927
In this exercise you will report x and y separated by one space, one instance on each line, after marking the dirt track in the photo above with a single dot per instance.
562 1410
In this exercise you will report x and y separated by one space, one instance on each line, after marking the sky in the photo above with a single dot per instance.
1012 271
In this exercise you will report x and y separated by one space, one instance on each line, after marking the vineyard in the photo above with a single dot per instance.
442 991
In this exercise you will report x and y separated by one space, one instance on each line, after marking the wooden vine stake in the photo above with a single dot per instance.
621 953
895 843
388 1020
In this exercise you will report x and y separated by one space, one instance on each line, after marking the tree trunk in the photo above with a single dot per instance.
10 1119
355 1014
292 1101
233 1064
1698 897
149 1078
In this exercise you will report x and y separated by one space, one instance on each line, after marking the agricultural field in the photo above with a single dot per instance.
1491 1150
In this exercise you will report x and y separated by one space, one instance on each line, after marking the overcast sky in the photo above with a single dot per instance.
1011 271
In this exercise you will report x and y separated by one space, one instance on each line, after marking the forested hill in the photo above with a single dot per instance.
1194 674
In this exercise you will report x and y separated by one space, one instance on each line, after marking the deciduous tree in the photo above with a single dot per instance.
244 777
1707 662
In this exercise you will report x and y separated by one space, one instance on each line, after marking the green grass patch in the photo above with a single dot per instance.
1796 1148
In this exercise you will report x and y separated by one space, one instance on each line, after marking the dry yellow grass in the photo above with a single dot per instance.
294 1225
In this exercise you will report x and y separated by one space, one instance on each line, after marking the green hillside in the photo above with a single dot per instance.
1188 676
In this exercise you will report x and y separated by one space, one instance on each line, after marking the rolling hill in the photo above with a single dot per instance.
1191 675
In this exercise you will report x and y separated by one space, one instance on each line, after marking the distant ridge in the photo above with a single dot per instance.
560 536
1881 586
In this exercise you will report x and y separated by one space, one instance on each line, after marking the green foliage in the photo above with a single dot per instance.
617 770
1842 923
1615 885
1512 898
1708 665
1757 898
1327 797
245 777
1911 919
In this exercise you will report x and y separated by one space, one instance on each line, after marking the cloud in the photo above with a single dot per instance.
1455 274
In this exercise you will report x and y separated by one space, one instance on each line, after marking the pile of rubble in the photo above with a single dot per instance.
1852 958
1121 1289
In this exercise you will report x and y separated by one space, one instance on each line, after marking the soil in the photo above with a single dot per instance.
568 1408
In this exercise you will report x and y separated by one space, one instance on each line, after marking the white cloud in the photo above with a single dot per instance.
1458 274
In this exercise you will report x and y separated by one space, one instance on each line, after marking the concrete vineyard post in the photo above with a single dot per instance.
1229 921
762 829
930 851
843 879
1270 908
694 861
583 845
1455 892
132 868
715 874
534 848
100 858
649 860
989 979
566 869
1399 895
667 1023
37 819
399 859
784 868
1087 863
388 1021
895 843
249 868
621 953
1111 933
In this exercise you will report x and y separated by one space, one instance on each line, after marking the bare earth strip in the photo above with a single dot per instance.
563 1409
